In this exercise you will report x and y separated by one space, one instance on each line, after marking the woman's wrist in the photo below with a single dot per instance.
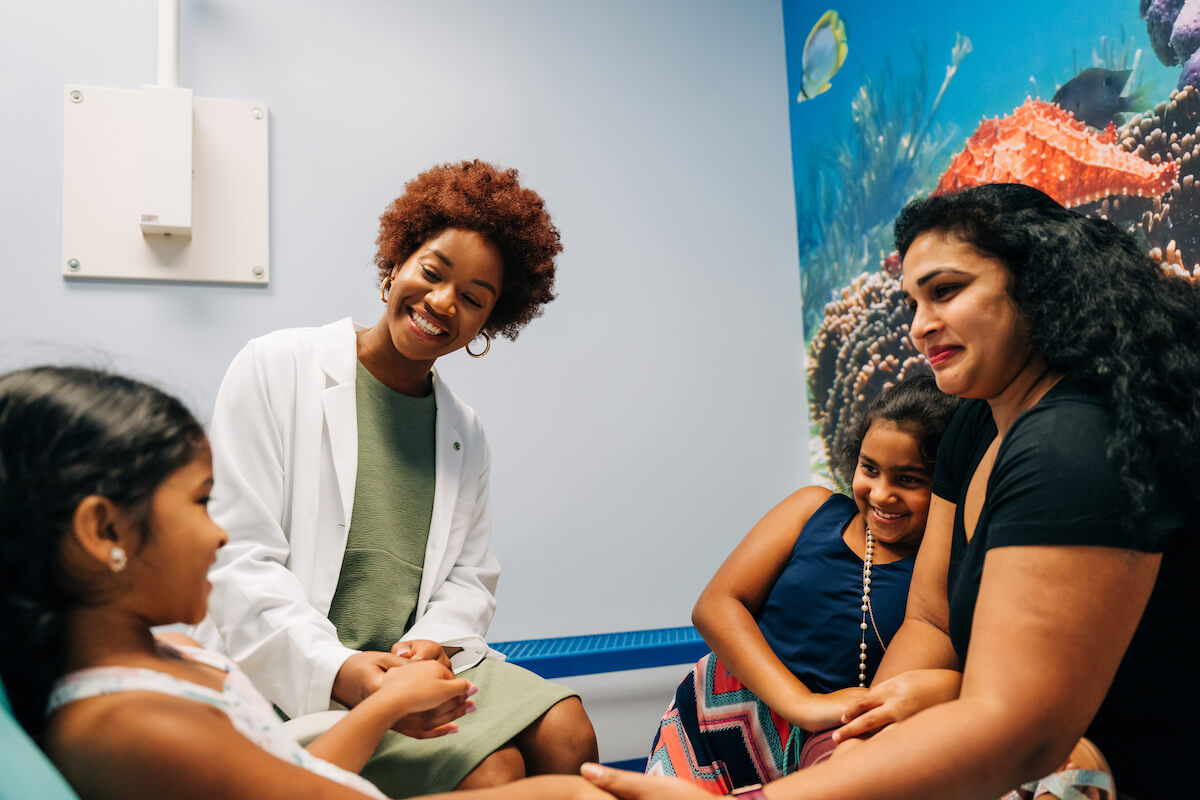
754 792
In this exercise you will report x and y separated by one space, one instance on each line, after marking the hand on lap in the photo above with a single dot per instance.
421 650
429 698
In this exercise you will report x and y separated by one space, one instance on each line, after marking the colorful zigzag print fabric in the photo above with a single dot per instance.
718 735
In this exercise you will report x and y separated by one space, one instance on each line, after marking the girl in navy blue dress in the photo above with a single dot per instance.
801 611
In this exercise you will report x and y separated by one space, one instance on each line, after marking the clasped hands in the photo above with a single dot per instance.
416 672
896 699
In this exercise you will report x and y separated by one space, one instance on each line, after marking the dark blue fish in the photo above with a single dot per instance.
1094 95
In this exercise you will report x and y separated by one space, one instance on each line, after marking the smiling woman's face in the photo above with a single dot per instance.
964 319
442 295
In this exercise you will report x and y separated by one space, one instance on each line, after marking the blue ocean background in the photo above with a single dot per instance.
1019 48
873 141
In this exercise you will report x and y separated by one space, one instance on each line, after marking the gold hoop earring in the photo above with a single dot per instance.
387 285
117 560
487 340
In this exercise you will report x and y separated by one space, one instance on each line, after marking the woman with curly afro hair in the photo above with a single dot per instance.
1051 592
354 487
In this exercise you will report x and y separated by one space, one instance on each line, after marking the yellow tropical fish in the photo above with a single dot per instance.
824 53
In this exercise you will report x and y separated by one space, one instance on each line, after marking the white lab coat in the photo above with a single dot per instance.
285 452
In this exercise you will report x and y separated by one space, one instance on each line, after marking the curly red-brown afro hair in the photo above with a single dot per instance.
477 196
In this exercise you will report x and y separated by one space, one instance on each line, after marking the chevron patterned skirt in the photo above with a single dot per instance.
721 737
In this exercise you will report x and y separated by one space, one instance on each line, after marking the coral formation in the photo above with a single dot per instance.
1043 146
1160 18
861 347
1172 262
1174 29
1167 134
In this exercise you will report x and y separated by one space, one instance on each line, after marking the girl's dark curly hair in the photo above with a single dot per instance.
915 405
1098 309
477 196
67 433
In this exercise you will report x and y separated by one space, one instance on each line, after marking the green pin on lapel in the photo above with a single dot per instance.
457 446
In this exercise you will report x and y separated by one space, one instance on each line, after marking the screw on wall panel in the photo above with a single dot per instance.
76 96
73 264
259 272
256 112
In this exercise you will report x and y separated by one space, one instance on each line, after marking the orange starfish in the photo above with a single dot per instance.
1043 146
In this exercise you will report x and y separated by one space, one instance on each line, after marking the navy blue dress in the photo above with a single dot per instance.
812 616
716 732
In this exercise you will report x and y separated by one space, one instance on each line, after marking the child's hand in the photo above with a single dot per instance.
420 699
425 697
421 650
820 712
897 698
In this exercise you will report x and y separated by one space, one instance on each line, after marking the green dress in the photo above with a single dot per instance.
377 590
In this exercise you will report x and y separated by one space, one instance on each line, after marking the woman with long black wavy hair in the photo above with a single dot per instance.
1048 600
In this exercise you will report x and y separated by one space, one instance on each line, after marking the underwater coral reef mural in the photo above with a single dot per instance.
1116 134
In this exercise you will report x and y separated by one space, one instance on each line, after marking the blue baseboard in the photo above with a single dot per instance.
605 652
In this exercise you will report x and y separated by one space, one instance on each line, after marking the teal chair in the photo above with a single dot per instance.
26 771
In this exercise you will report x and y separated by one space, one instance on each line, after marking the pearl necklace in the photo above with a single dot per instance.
866 608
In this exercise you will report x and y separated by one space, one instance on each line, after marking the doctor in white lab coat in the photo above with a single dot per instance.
464 254
284 458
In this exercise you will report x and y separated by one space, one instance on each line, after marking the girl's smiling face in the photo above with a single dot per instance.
892 485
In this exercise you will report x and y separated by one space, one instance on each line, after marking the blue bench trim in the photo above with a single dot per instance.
605 652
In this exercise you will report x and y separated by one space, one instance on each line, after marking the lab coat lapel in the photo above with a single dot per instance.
339 356
447 466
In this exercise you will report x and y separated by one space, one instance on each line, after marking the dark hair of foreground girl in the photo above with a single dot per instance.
67 433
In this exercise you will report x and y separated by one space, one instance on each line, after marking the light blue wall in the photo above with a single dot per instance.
650 417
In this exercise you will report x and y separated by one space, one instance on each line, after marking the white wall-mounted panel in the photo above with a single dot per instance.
102 192
166 207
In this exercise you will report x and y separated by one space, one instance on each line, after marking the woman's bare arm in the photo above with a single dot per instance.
920 667
1051 626
923 641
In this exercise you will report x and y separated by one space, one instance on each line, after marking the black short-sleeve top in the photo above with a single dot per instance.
1051 484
